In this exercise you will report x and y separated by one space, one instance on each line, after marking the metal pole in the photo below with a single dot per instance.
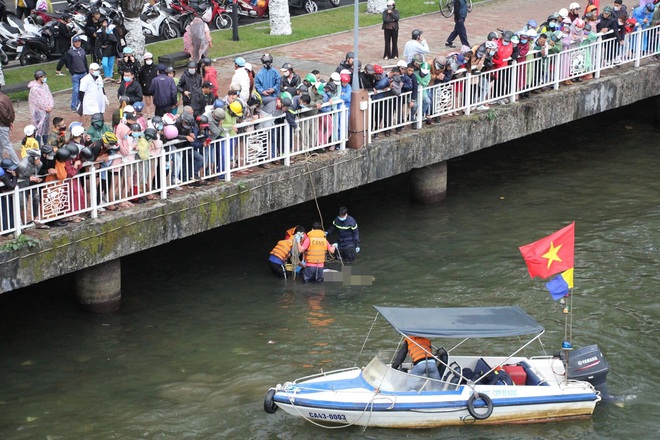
234 21
356 80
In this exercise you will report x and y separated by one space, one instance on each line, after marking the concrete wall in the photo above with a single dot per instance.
192 211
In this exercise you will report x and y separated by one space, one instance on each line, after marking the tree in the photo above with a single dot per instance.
280 20
134 35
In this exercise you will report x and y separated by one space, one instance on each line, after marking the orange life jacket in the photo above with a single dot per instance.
290 232
315 253
282 249
419 348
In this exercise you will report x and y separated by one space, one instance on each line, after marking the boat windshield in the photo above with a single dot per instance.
380 375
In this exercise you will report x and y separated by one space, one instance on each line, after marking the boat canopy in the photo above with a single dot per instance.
461 322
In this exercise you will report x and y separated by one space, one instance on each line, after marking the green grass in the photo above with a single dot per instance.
251 38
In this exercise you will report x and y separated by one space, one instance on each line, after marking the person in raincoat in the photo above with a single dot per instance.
197 39
41 104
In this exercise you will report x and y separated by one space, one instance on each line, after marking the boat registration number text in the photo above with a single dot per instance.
327 416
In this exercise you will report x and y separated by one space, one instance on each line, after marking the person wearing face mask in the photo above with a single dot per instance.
148 72
267 83
609 23
97 128
619 9
130 87
549 25
92 94
41 104
523 48
290 79
348 235
189 81
57 136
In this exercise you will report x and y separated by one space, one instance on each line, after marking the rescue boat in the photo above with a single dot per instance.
474 387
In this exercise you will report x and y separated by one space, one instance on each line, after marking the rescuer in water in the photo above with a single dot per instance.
284 249
314 246
349 235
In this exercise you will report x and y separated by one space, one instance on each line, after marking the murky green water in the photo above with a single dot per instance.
205 329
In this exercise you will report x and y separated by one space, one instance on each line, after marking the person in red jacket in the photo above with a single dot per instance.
501 59
209 74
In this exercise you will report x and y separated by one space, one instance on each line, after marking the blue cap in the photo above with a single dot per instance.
128 49
76 38
239 61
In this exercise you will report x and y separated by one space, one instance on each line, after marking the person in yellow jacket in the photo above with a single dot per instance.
314 246
419 348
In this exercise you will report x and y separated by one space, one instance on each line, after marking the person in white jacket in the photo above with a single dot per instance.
242 78
92 94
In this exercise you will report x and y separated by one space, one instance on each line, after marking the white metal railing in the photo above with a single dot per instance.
471 90
99 185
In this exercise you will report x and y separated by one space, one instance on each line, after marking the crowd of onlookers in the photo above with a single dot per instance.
154 104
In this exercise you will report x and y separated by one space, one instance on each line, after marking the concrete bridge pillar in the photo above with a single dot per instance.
429 184
98 288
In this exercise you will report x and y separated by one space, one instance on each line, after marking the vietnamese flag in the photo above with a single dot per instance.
552 254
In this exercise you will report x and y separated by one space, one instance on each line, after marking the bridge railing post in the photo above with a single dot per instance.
556 71
599 57
639 37
513 85
162 173
92 193
16 203
343 129
420 107
287 144
467 89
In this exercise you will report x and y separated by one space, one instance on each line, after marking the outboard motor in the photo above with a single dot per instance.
589 364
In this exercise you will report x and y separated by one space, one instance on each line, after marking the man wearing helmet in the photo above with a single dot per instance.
97 128
41 104
290 79
416 45
347 64
460 14
164 91
267 83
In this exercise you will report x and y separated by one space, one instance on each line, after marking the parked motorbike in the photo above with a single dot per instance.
221 18
247 9
160 21
40 48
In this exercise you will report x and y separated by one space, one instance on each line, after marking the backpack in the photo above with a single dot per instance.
143 148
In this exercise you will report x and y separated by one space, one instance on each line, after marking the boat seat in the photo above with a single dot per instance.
532 378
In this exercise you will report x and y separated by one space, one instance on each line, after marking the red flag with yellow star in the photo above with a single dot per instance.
552 254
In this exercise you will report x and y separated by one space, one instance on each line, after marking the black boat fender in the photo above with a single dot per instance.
269 404
489 406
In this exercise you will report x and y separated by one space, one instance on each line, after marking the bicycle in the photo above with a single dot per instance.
447 7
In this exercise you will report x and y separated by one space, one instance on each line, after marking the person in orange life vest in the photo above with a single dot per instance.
419 348
282 251
314 247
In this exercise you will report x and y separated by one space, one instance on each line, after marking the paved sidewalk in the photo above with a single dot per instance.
325 53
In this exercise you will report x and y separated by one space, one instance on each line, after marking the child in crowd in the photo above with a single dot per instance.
29 141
